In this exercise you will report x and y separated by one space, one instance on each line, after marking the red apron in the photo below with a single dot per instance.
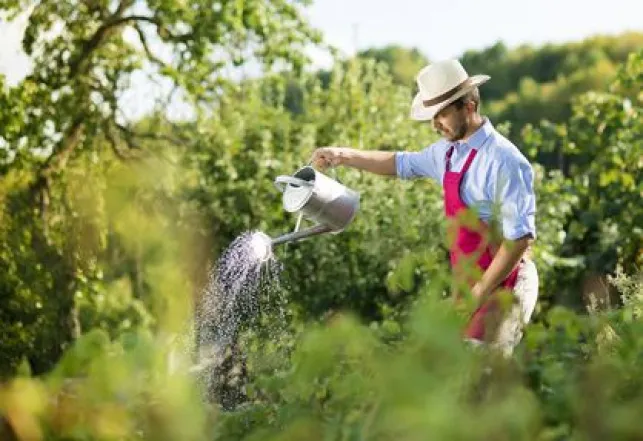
470 246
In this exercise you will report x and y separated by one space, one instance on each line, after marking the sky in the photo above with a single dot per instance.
440 29
447 28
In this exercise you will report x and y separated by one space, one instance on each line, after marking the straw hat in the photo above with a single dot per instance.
439 85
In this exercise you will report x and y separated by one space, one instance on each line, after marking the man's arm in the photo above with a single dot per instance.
505 260
378 162
513 192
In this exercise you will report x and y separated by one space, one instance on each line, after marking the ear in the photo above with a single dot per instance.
470 106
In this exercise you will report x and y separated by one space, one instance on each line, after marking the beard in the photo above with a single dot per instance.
459 131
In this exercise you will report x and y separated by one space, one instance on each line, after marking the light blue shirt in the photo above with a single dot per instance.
500 178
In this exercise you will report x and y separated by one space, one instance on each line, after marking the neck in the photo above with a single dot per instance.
476 122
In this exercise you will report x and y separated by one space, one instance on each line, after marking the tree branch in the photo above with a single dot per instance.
138 18
115 148
58 158
150 54
77 64
159 26
115 20
54 163
130 134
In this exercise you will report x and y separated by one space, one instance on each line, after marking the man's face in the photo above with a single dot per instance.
452 123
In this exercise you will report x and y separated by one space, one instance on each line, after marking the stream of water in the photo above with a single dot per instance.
245 273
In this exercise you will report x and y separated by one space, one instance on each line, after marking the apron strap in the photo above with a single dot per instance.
467 164
470 159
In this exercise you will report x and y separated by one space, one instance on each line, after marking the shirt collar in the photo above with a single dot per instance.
479 136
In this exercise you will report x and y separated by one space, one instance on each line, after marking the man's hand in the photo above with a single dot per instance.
325 157
378 162
478 291
503 263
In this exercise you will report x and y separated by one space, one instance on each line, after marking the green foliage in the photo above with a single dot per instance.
108 389
574 376
404 64
532 84
35 275
85 55
81 243
545 64
260 142
599 203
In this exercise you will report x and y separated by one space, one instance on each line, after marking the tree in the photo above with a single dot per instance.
86 52
59 124
403 63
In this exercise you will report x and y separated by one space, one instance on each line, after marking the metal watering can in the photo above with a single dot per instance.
318 198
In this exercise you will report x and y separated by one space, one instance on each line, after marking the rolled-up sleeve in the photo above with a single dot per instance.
422 164
514 193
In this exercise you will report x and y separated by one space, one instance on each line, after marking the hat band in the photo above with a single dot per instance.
448 94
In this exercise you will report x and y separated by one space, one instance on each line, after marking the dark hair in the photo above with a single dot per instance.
473 95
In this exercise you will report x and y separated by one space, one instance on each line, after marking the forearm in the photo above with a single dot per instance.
378 162
503 263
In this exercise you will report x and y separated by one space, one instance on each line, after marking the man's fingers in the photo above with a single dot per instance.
320 163
323 158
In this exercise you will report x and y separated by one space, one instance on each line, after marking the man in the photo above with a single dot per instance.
480 171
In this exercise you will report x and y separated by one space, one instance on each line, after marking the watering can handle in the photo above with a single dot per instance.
333 170
282 181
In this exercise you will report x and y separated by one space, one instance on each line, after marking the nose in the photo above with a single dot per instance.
437 125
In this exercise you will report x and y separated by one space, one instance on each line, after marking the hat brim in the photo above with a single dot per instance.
420 112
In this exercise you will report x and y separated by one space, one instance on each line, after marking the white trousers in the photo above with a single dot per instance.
510 330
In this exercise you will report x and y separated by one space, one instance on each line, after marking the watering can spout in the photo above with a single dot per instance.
300 235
